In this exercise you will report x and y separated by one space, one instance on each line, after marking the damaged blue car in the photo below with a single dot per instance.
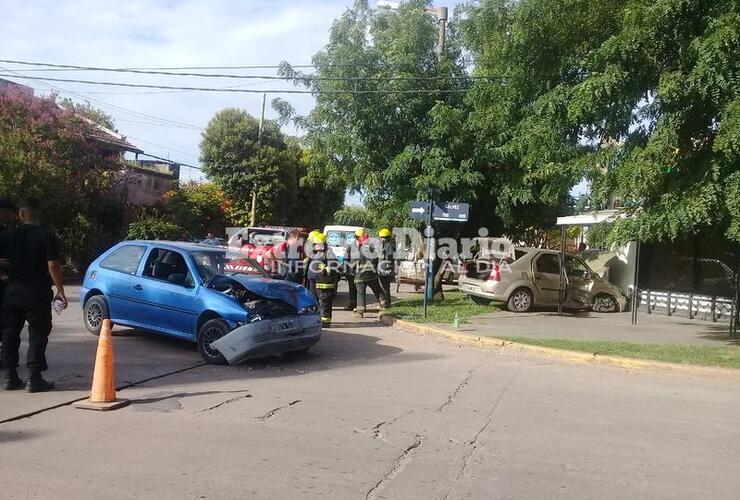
182 290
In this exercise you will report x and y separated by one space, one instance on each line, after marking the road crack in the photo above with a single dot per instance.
474 444
453 395
228 401
377 430
272 412
399 464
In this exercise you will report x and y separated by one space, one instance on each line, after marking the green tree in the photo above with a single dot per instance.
353 216
662 96
46 152
291 186
153 226
391 143
639 97
199 208
233 159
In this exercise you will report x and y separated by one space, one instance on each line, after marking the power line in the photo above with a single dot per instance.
250 77
108 105
159 92
237 90
163 147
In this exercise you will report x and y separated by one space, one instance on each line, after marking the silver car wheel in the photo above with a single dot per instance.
521 300
94 315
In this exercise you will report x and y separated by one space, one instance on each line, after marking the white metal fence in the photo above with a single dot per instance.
688 305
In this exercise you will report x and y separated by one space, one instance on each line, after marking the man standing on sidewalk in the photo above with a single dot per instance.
7 218
34 266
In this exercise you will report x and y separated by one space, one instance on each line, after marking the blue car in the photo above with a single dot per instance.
182 290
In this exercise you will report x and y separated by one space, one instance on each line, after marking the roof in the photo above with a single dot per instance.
591 218
182 245
109 138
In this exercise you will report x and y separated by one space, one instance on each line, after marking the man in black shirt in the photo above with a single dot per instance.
7 218
34 266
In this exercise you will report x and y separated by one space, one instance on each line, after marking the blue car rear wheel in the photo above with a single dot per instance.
94 312
211 331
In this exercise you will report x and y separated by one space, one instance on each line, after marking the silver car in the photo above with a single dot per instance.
530 277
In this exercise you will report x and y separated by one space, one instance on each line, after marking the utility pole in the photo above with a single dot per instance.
253 215
441 13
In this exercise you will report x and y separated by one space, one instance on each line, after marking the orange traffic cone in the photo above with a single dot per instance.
103 393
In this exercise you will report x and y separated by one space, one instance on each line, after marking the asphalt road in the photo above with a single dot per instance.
370 412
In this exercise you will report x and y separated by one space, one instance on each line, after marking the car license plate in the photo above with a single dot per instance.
471 288
285 326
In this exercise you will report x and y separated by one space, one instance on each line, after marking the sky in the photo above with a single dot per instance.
166 33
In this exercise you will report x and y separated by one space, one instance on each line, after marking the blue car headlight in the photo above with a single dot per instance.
314 309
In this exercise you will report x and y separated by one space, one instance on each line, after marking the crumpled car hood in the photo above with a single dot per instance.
292 293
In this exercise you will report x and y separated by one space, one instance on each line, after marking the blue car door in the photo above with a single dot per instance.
167 292
118 271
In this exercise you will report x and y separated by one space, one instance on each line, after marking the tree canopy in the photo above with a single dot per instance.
46 152
278 168
530 97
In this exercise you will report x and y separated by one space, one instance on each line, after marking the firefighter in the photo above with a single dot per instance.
386 265
366 273
322 271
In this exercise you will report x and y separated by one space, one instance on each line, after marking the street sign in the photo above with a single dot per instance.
451 211
420 210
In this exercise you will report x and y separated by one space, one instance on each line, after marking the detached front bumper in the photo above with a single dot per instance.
269 337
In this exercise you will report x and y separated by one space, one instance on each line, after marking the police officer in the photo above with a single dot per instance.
7 218
324 273
386 265
366 273
34 266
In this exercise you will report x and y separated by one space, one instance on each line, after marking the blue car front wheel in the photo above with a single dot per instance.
211 331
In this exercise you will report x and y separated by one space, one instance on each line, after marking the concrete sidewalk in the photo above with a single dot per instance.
617 327
652 328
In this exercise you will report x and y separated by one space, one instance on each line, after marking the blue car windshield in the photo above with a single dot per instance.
209 263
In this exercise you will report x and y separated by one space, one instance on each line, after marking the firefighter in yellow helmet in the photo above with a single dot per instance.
323 272
366 272
386 264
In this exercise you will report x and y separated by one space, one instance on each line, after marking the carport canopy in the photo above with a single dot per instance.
591 218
